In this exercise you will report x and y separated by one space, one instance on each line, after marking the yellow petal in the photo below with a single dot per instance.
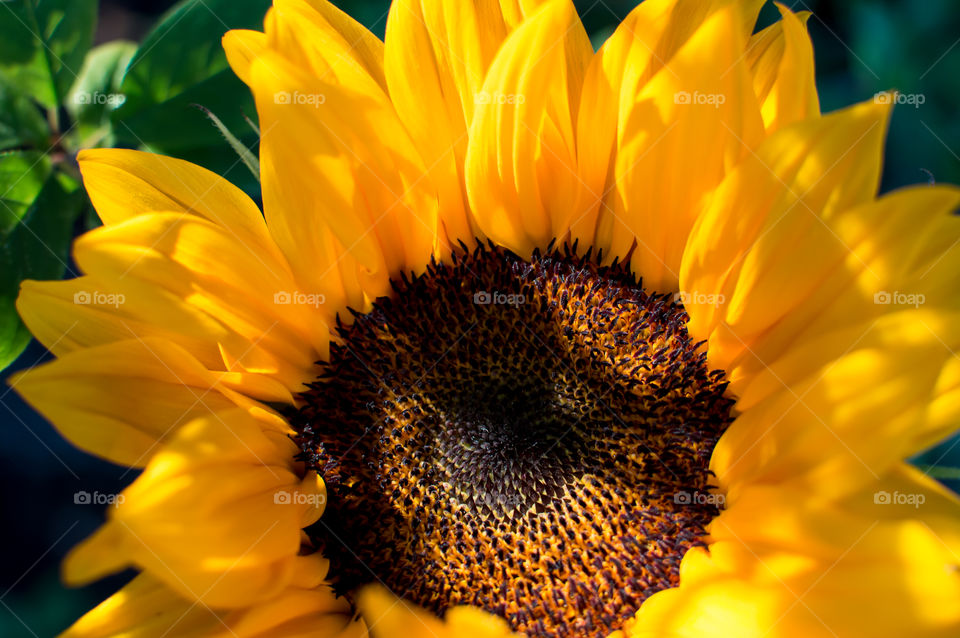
516 11
644 44
688 16
798 179
912 495
337 162
781 58
834 431
77 314
884 257
893 394
698 111
437 56
122 400
615 70
389 616
778 565
242 47
146 608
123 184
63 317
318 36
181 270
522 176
229 487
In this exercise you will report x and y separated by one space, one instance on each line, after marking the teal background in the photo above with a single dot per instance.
861 48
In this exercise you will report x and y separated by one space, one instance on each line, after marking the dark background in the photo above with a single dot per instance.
862 47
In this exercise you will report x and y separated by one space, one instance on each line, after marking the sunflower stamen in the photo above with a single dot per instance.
530 437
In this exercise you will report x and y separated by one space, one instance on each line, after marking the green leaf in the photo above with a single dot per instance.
36 245
21 122
96 93
22 176
43 44
14 336
181 63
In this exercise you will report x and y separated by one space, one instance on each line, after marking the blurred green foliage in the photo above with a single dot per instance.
42 42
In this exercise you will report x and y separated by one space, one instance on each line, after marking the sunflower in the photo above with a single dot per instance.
527 339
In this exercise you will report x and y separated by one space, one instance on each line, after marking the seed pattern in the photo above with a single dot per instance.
516 435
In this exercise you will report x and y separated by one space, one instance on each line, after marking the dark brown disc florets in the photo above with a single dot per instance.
527 436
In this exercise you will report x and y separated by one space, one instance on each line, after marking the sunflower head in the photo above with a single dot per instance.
527 338
461 470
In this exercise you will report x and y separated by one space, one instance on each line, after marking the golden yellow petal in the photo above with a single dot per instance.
516 11
798 179
437 56
781 59
697 111
74 315
335 159
316 35
884 257
780 564
120 401
615 70
891 395
522 175
244 532
123 184
643 45
63 317
388 616
146 608
242 47
180 270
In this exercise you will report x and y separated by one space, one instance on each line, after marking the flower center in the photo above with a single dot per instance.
527 436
